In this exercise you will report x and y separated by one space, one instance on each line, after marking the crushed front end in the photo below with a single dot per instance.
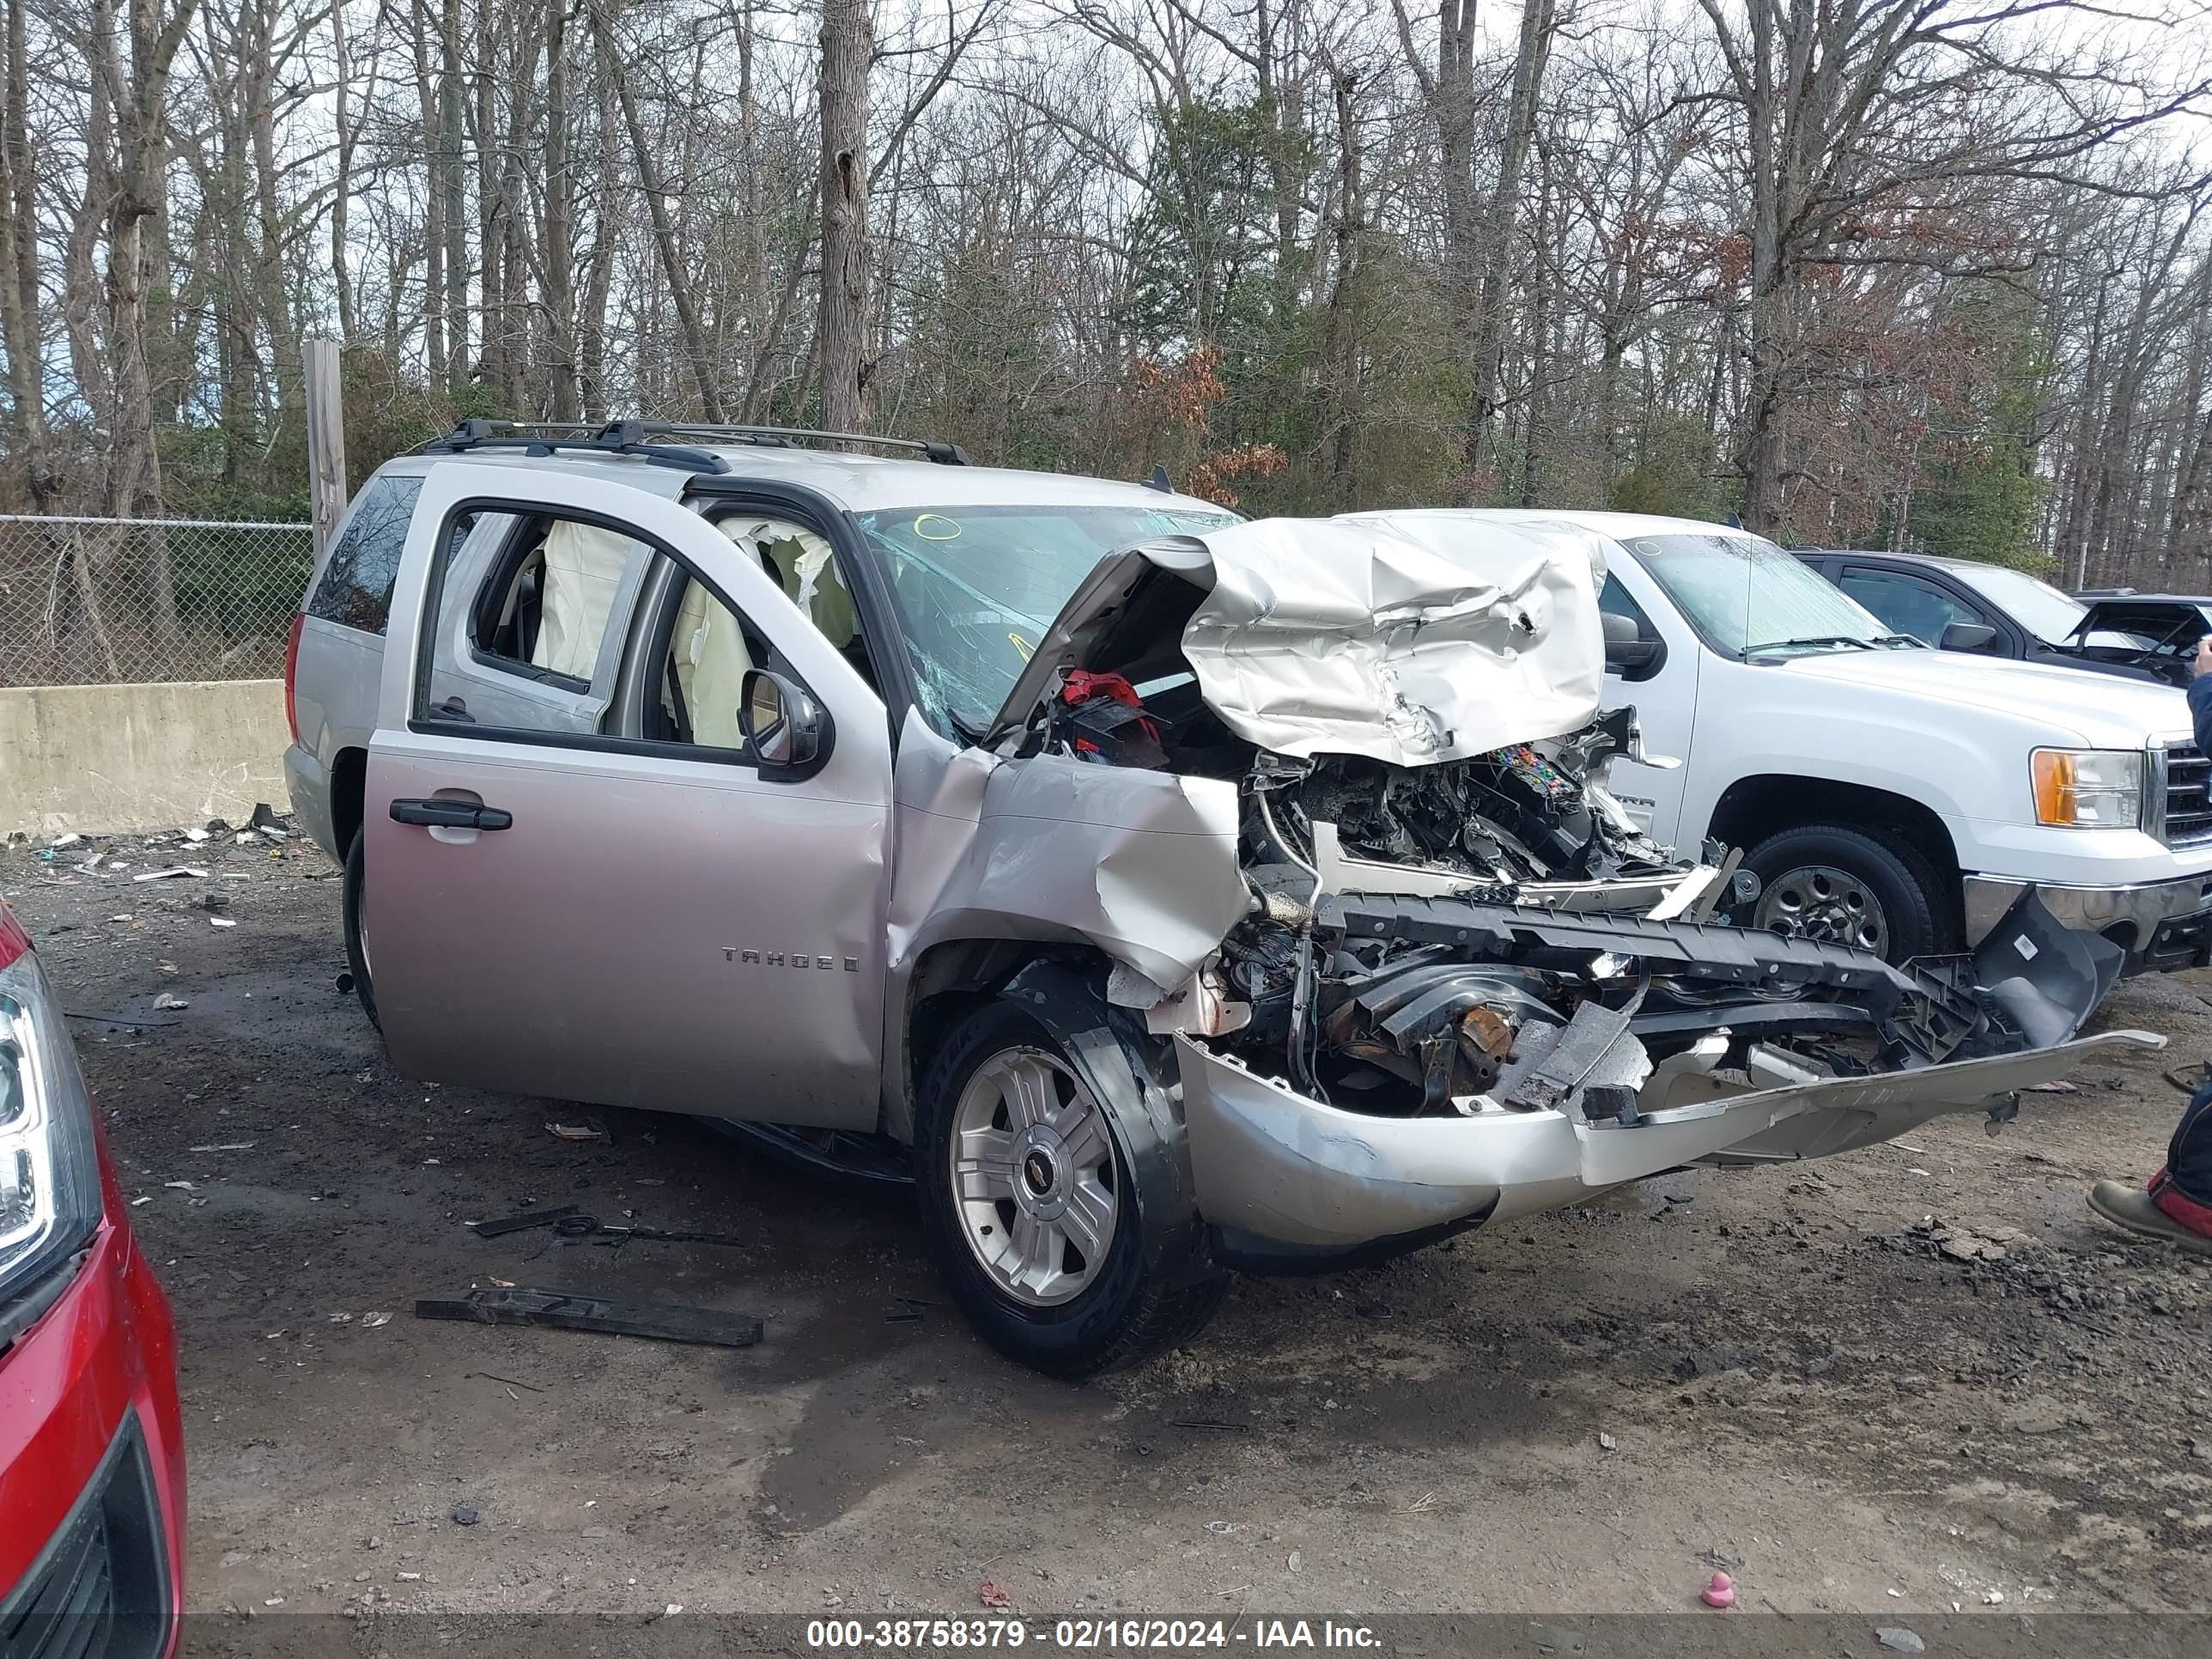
1462 985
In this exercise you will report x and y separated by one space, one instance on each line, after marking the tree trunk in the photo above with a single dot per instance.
1489 338
453 187
843 331
1342 349
19 274
341 268
664 238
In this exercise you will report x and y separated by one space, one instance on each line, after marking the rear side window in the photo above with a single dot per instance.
355 589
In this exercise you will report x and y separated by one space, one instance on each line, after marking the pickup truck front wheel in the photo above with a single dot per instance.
1023 1173
1847 886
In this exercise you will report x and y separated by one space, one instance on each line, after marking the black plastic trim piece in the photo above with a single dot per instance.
1270 1258
1123 1066
616 439
140 1616
26 1308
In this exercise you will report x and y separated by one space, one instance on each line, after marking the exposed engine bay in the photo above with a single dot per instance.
1495 935
1331 801
1492 933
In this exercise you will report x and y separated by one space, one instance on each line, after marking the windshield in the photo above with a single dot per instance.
1747 596
2039 607
976 586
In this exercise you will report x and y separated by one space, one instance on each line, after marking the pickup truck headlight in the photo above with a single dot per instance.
50 1198
2088 788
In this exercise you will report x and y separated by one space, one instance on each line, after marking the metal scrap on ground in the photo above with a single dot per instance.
562 1311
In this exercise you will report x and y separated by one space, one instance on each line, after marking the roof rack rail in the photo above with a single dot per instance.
781 437
537 438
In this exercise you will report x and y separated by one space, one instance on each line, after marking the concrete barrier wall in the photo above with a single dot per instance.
100 759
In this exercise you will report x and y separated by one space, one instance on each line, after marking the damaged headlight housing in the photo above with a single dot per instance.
50 1197
2088 788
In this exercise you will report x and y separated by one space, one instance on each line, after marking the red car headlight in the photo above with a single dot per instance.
50 1201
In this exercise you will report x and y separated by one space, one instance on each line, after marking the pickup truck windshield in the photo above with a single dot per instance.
2039 607
976 586
1748 598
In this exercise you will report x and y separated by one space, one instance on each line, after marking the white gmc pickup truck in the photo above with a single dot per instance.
1887 794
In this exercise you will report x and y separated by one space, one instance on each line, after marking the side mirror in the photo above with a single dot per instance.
1968 637
1627 653
783 725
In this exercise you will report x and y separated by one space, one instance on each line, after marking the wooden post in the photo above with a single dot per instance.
326 462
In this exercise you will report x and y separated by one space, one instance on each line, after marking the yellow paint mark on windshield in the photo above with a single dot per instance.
936 527
1021 646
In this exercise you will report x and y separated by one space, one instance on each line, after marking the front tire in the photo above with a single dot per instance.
1848 886
1031 1210
357 934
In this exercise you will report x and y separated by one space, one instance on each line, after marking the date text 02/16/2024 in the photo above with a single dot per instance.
1083 1635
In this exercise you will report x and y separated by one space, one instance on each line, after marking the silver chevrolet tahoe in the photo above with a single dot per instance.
1170 894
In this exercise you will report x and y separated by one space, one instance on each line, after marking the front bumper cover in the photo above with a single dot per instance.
1292 1171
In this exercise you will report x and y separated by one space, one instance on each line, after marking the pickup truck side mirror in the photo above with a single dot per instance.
1627 653
783 726
1968 637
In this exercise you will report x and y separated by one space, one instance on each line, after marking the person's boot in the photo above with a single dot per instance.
2140 1211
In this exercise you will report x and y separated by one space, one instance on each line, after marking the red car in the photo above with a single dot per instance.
92 1451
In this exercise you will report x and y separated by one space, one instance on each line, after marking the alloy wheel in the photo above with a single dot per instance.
1033 1178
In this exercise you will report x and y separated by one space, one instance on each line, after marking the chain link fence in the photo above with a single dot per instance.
105 601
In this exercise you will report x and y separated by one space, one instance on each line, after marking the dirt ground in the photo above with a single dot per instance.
1781 1372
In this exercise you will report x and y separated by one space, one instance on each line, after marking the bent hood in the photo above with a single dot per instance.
1312 637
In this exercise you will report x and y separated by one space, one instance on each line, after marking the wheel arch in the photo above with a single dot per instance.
348 788
945 982
1753 809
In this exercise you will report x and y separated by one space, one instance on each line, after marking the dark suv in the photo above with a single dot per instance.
1994 610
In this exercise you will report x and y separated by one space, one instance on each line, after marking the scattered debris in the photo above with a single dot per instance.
170 999
571 1222
264 817
1606 1443
2056 1086
131 1020
515 1224
227 1146
183 1186
173 869
562 1311
59 842
992 1596
578 1132
1963 1243
1720 1593
1898 1639
464 1516
509 1381
1225 1528
196 836
221 922
369 1322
